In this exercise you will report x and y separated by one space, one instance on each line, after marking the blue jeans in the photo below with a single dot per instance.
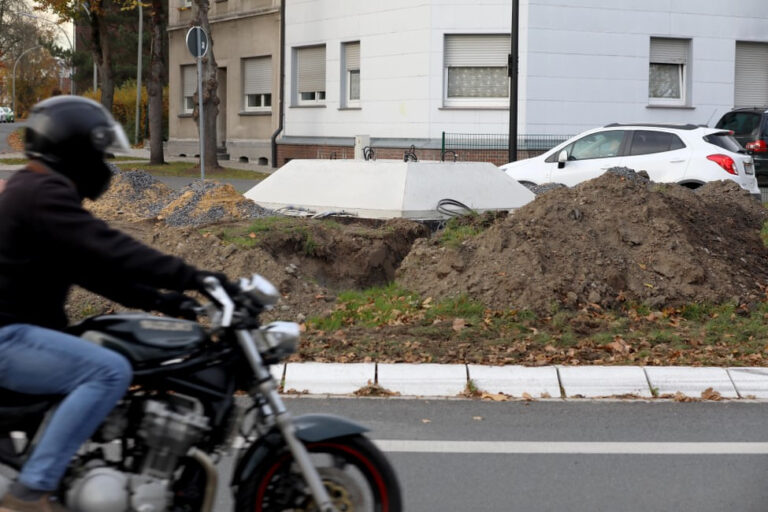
40 361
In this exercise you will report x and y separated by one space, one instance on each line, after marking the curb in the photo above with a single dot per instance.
680 383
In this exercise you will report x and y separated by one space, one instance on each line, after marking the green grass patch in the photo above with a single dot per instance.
375 307
249 236
13 161
190 170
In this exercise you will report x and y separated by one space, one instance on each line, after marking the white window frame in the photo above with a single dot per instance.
350 67
495 57
186 3
681 60
260 87
187 100
317 95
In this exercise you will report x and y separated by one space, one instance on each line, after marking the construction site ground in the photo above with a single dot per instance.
615 271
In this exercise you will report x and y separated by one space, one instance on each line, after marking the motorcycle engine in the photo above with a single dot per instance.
104 489
168 429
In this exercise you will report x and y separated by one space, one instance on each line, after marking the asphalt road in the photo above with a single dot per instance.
460 455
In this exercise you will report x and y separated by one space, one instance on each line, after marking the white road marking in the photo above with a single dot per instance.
626 448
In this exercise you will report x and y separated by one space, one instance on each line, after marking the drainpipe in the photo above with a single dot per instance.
280 107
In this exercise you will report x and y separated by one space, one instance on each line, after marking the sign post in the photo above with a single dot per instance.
197 42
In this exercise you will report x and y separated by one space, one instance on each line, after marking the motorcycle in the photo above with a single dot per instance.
202 391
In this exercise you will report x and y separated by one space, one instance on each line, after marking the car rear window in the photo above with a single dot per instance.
725 141
645 142
741 123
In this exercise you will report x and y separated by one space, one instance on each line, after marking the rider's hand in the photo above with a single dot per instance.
177 305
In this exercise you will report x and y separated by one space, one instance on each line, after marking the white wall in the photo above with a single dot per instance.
588 59
583 63
401 59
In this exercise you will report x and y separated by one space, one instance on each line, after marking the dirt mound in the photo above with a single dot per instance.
617 238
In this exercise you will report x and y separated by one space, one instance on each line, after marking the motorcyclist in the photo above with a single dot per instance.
49 242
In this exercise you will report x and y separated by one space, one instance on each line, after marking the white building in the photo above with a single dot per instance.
405 71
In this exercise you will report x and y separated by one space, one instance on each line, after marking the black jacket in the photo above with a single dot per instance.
48 242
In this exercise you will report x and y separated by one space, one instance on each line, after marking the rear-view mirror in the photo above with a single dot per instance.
562 157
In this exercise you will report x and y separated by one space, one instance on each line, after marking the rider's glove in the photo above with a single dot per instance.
177 305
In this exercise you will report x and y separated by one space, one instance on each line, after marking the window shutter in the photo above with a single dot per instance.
669 51
751 81
189 80
257 75
352 56
311 69
477 50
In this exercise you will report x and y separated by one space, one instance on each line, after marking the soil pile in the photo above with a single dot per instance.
618 238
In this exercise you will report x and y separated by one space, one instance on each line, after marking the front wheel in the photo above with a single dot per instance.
356 475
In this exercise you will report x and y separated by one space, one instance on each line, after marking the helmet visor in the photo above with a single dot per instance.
110 139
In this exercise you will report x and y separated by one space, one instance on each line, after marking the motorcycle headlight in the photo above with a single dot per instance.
281 340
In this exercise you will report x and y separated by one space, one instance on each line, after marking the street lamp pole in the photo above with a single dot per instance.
513 76
13 98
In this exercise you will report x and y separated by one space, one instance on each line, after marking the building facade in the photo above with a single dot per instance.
400 74
245 36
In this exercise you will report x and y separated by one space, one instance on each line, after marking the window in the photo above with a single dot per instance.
667 71
476 70
188 87
647 142
186 3
310 75
741 123
751 81
257 84
351 75
596 145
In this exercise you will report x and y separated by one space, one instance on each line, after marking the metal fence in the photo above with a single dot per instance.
494 147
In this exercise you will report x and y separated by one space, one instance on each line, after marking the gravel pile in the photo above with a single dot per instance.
207 202
132 195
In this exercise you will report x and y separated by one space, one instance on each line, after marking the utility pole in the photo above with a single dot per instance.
138 80
513 76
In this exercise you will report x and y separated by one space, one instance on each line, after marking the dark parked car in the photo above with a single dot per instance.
750 127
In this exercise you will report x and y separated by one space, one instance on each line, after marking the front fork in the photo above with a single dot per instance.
284 421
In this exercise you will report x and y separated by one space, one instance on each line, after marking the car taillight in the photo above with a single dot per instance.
758 146
725 162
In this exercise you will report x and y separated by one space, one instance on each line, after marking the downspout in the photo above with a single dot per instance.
280 107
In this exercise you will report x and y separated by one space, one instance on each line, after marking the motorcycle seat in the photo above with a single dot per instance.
13 400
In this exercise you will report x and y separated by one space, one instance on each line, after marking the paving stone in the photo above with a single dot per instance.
750 382
690 381
423 379
321 378
515 380
595 381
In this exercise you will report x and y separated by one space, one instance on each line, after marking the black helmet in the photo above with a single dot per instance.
71 134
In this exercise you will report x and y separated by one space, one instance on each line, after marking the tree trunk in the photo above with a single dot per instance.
103 57
155 85
210 91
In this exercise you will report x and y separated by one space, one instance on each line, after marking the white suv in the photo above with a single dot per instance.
685 154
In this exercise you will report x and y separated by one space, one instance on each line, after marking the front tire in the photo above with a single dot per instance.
356 475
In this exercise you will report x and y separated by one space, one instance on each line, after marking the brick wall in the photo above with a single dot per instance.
286 152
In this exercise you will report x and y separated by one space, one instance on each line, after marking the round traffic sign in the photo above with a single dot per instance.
197 41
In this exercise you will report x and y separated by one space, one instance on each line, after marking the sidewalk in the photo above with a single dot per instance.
549 382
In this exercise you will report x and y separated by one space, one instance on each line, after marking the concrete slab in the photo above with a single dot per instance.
385 189
595 381
516 380
321 378
690 381
423 379
750 382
